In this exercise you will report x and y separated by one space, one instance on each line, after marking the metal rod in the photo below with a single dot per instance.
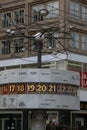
39 54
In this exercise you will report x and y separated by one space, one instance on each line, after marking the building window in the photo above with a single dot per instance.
52 40
84 41
75 9
34 45
52 7
19 16
35 13
5 47
75 42
78 10
6 20
84 13
18 45
74 66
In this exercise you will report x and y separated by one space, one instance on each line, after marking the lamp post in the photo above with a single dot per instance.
39 37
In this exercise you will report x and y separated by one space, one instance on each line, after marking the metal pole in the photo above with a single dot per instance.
39 54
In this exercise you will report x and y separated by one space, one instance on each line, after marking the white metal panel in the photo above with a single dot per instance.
40 101
45 58
83 95
40 75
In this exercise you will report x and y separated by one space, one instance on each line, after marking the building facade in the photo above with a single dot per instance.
63 47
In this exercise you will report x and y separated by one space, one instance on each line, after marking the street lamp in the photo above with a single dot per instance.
39 37
9 31
43 12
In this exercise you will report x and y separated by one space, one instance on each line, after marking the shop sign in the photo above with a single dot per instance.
83 79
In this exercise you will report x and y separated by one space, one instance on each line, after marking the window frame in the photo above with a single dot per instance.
74 11
20 18
84 42
18 45
6 22
81 10
45 6
74 44
5 47
52 40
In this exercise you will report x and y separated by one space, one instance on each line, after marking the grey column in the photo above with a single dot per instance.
38 120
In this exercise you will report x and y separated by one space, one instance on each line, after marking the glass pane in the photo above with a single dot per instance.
18 45
18 124
55 40
34 44
9 125
35 16
53 7
5 48
84 13
19 17
84 42
56 7
76 36
35 10
49 40
8 19
76 44
3 18
75 9
50 9
22 16
0 124
16 17
83 38
77 6
72 5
